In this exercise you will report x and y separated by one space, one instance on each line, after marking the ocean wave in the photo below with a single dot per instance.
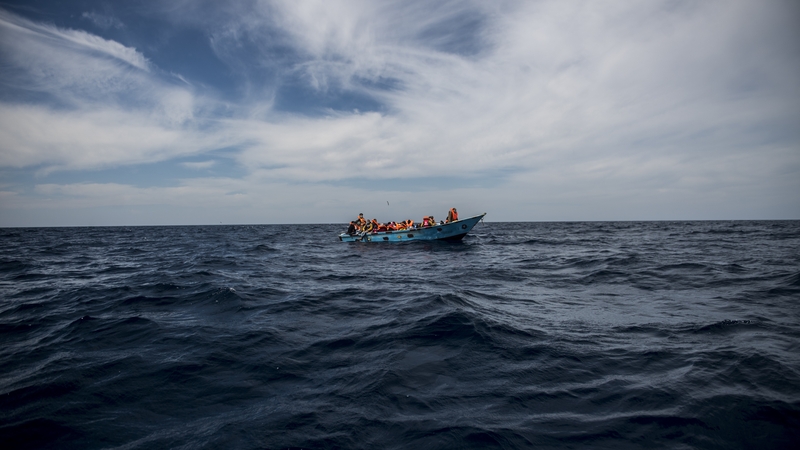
599 335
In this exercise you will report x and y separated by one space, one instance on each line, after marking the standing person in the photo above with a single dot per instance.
452 216
361 221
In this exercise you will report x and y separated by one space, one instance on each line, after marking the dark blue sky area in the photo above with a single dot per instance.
183 48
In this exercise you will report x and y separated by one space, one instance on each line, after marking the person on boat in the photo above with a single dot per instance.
368 227
361 221
351 230
452 216
410 224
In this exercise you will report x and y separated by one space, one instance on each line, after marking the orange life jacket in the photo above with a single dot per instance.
453 215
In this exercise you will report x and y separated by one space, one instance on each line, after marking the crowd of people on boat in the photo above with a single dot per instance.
362 225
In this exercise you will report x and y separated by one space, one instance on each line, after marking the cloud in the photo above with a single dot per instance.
102 20
91 139
71 70
548 84
101 106
44 36
228 200
600 82
94 194
199 165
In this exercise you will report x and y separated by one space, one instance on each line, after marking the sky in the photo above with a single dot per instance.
311 111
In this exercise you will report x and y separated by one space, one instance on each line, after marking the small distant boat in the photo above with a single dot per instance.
453 231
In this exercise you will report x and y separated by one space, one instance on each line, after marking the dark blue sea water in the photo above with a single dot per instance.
524 335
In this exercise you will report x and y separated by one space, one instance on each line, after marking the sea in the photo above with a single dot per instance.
602 335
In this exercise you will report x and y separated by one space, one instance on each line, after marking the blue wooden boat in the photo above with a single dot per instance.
453 231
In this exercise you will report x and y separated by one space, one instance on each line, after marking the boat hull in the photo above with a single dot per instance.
454 231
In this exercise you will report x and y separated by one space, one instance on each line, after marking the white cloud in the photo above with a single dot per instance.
116 50
48 35
104 107
554 84
597 80
199 165
104 21
39 136
78 71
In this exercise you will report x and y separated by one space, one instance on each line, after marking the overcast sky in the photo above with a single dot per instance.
207 112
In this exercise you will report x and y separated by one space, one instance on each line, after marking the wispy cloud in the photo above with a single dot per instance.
199 165
102 106
104 21
48 35
599 81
